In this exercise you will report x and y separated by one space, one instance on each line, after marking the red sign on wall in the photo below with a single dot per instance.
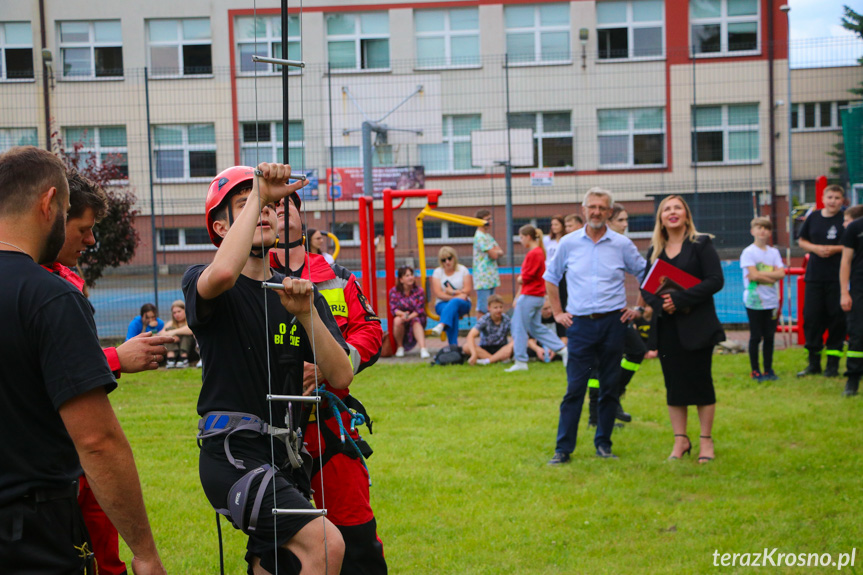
347 183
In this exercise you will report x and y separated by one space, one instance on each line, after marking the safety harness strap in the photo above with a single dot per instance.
227 423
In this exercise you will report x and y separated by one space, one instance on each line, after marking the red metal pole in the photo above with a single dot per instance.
820 184
364 248
373 259
390 259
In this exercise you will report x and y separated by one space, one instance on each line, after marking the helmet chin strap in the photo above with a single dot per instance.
295 243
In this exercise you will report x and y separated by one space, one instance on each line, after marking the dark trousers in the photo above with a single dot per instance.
591 341
854 362
822 312
762 325
634 351
45 533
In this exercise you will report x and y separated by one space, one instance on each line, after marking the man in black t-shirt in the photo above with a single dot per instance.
851 274
821 236
252 347
55 417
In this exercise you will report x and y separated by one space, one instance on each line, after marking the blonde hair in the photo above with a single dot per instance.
660 236
182 305
534 233
762 222
448 251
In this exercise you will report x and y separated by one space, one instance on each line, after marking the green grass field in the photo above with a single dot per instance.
461 483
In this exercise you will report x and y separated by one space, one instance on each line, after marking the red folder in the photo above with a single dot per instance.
664 278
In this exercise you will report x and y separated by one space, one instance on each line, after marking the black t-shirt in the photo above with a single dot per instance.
234 336
823 231
49 354
853 238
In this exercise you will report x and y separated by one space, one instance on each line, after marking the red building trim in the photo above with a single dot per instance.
235 115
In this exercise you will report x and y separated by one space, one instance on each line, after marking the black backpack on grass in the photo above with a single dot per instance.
448 355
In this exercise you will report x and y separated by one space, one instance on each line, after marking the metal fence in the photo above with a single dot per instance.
706 128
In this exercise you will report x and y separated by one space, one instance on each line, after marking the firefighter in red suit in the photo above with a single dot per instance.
345 479
88 205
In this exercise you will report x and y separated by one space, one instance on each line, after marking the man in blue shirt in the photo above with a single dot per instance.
594 261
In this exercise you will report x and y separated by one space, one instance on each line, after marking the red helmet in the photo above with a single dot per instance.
222 185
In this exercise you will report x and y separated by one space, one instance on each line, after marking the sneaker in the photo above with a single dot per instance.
756 375
769 375
559 458
517 366
400 352
438 329
182 364
605 453
852 386
200 363
170 364
485 361
424 353
564 355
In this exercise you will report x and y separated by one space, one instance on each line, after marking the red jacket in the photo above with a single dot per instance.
531 273
78 282
358 322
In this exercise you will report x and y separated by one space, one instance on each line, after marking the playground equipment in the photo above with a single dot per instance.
366 224
337 246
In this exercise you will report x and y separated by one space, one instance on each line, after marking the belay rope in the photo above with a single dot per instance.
351 449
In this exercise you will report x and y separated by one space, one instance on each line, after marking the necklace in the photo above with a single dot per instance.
13 246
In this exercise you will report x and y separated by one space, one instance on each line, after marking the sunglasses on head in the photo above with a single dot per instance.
446 259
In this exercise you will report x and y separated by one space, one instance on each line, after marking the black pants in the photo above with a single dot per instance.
634 351
762 325
45 533
822 312
854 362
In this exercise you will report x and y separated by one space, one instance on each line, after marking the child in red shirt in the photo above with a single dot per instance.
527 316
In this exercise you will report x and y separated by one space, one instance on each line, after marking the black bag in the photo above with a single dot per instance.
448 355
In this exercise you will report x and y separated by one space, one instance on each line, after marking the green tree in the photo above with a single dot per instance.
116 236
852 21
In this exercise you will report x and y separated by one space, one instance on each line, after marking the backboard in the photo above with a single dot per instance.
490 147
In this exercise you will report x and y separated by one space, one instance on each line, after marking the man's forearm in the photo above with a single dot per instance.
329 355
553 293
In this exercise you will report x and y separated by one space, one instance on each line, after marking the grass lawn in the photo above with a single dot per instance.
461 483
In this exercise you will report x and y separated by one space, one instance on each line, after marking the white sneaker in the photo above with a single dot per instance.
517 366
438 329
170 364
400 352
485 361
424 353
200 363
183 363
564 355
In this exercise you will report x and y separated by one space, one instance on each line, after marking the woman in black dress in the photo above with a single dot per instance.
687 325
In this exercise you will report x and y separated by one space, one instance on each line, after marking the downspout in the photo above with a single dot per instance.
46 97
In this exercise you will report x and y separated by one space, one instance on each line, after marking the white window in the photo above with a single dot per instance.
101 146
266 144
632 138
184 239
537 34
16 51
813 116
724 27
552 137
91 49
348 233
441 232
262 36
11 137
453 154
359 41
447 38
185 152
630 29
725 134
180 47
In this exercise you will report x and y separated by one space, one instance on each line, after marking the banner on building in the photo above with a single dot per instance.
347 183
310 190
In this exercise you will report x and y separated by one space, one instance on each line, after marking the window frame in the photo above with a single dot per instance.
181 245
97 149
5 45
724 20
179 43
537 29
631 132
450 139
358 37
539 135
35 139
630 26
275 147
447 34
835 106
186 148
726 129
270 39
91 44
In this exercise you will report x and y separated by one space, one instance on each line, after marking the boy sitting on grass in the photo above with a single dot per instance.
762 268
492 330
